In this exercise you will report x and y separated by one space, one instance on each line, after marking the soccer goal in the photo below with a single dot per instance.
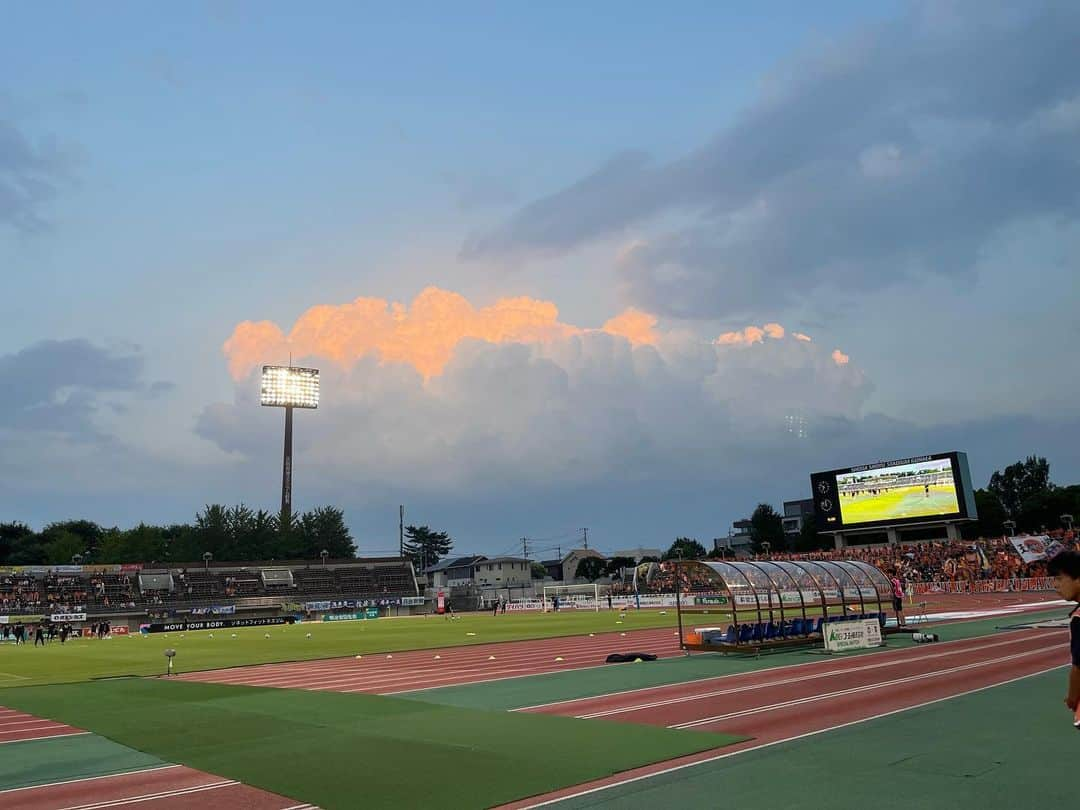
575 597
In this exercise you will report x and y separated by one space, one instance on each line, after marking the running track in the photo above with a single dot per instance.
425 669
790 702
169 787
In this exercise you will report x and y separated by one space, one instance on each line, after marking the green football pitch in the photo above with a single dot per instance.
894 504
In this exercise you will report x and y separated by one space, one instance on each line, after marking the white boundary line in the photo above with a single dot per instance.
892 662
164 794
674 768
50 737
92 778
854 690
898 652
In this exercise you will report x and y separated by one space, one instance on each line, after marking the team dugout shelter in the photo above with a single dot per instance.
726 606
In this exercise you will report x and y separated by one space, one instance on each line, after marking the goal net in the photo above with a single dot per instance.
571 597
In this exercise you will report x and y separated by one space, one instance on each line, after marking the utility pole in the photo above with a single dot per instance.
585 532
525 547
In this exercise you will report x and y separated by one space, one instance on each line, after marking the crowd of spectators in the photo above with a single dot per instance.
943 560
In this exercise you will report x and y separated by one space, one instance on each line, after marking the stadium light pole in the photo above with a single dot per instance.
324 554
206 558
1067 522
289 387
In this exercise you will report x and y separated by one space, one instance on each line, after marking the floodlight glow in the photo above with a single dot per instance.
290 387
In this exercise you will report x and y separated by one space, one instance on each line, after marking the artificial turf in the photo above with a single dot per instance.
347 751
60 759
83 659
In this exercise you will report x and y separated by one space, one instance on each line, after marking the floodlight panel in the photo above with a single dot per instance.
290 387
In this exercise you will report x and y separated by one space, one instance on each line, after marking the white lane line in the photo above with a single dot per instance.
892 662
91 778
854 690
892 654
149 797
36 739
793 738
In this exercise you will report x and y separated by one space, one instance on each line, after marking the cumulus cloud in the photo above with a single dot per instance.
502 396
422 335
900 150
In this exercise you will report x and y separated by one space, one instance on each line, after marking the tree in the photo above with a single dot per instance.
14 537
62 546
324 529
1019 482
991 516
615 565
424 546
89 533
538 571
685 547
590 568
809 539
766 526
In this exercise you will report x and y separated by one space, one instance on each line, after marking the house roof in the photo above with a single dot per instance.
454 562
497 560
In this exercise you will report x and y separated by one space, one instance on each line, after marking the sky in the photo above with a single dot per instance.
630 268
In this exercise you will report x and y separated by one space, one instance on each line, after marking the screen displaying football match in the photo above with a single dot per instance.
913 490
921 489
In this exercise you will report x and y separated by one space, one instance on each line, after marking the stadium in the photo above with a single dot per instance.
344 683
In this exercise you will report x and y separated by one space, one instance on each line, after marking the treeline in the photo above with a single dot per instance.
235 533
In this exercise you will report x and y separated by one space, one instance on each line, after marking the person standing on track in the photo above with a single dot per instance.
898 599
1065 569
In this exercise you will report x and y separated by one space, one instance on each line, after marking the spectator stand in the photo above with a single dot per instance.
754 606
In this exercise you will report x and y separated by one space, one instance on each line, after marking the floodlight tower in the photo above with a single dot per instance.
289 387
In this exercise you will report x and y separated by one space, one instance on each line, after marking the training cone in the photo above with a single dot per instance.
592 635
491 658
389 656
308 635
637 660
618 622
234 635
211 635
622 634
266 635
559 658
470 634
438 657
359 657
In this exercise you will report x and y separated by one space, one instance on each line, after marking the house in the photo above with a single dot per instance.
454 572
571 559
503 572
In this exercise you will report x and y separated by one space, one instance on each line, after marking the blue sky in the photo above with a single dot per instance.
896 181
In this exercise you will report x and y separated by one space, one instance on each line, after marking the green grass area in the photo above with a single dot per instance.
348 751
534 690
39 762
83 659
997 749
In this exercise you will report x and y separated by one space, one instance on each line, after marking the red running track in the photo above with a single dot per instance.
17 726
381 673
786 703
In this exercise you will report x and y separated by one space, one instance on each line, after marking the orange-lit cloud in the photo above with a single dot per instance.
636 326
423 335
751 334
800 336
840 358
774 330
